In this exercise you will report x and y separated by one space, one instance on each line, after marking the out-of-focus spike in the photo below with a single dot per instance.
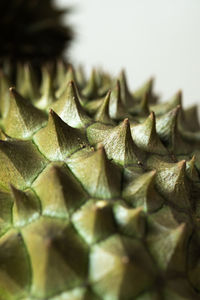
144 105
80 76
13 256
104 84
116 107
59 191
168 131
26 206
91 89
166 125
94 221
169 248
69 76
146 88
166 106
61 70
190 119
193 265
6 204
97 132
53 247
191 170
4 94
141 109
30 87
3 136
141 192
47 90
130 221
120 255
78 293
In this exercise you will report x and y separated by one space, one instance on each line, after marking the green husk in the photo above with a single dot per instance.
99 190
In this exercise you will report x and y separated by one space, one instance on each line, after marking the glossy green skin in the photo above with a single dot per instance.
99 196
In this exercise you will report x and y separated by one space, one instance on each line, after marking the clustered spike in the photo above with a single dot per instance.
99 189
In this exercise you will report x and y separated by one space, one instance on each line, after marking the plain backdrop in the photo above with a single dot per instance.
159 38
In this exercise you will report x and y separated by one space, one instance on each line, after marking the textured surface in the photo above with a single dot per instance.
99 190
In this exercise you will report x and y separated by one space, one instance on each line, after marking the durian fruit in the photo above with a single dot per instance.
32 31
99 190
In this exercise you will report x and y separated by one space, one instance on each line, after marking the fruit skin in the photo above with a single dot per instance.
32 31
99 190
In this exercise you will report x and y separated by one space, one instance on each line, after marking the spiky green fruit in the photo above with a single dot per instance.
99 190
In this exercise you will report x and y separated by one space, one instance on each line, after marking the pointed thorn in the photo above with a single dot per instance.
152 116
193 159
12 90
182 164
118 85
51 112
100 147
126 123
12 187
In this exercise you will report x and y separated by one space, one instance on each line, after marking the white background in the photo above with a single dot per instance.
159 38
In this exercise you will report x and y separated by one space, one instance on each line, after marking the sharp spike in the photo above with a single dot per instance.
169 248
191 170
119 145
102 114
105 182
120 255
146 88
146 138
94 221
20 163
171 181
141 192
58 190
190 119
68 107
23 119
131 221
54 246
162 108
26 206
167 129
13 256
126 97
69 76
64 139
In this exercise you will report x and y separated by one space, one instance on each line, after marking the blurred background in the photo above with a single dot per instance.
148 38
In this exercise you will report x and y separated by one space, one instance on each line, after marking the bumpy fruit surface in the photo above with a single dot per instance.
99 190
